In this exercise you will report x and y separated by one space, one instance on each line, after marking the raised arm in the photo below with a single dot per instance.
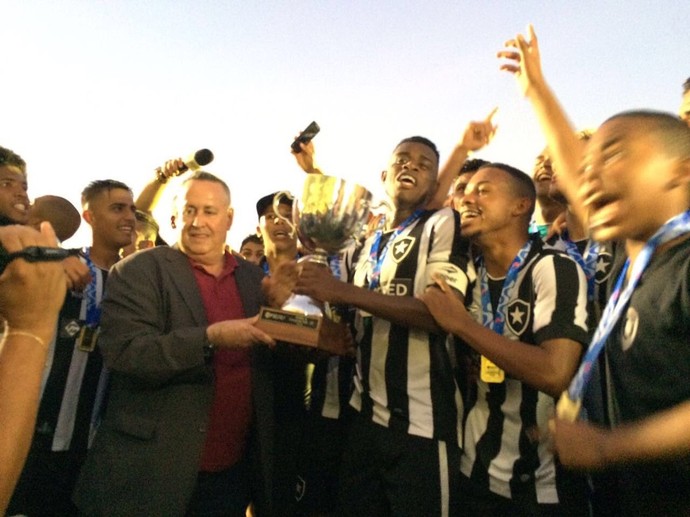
524 61
31 295
477 135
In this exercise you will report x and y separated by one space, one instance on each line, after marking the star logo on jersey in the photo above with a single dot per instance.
629 330
518 316
603 267
401 248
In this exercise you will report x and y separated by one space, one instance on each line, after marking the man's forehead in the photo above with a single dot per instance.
416 148
11 171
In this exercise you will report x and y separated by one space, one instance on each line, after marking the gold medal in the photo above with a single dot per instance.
88 336
567 408
491 373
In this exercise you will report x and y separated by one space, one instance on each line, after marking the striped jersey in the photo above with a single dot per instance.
75 380
404 377
502 451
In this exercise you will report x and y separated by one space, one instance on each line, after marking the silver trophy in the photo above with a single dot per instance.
328 217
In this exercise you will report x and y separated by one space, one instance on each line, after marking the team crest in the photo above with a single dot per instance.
69 328
517 316
401 247
603 267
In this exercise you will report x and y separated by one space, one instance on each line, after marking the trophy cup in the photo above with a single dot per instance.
327 218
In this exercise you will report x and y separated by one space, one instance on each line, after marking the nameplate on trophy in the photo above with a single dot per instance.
290 326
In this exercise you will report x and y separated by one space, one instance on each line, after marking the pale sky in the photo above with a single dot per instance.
95 89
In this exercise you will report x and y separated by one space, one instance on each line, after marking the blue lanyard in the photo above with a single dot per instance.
588 261
495 320
93 308
673 228
377 259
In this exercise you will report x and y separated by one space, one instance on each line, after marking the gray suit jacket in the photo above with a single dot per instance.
146 454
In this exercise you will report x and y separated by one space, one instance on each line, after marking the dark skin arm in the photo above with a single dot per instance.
318 282
547 367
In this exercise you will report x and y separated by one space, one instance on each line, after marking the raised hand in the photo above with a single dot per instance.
479 133
524 61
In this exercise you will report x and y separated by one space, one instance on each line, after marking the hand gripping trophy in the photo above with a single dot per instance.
330 214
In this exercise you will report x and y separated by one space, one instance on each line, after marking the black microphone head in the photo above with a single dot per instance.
203 157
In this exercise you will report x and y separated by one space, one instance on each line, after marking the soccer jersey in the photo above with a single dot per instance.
648 354
502 451
404 376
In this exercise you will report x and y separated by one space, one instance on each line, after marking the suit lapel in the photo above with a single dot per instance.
183 278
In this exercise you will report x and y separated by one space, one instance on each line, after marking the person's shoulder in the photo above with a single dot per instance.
149 257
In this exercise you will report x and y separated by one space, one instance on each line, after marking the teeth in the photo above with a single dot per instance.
20 206
407 177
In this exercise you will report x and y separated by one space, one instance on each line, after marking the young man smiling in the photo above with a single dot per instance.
403 446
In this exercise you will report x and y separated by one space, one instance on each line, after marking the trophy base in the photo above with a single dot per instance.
290 326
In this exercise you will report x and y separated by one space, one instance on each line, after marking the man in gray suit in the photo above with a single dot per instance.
188 425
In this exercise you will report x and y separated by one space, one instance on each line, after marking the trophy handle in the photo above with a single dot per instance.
276 202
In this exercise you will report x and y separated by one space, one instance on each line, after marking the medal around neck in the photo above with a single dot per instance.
327 218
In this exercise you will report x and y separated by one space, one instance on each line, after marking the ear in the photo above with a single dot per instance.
384 173
258 231
522 206
172 222
88 216
680 176
231 215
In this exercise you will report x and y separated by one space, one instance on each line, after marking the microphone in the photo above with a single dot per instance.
197 160
193 162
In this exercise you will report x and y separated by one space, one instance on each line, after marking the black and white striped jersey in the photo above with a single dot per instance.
75 380
502 451
404 377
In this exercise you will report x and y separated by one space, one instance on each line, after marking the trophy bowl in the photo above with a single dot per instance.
329 216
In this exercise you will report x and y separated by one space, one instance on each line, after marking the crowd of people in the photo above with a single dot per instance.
494 343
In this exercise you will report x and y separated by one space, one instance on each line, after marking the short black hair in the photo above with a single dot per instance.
523 183
472 165
96 187
686 86
420 140
9 157
669 129
207 176
252 237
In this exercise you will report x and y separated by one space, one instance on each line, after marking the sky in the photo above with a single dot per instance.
97 89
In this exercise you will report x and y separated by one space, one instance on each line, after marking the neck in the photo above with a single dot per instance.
275 257
103 257
213 263
499 252
548 210
575 227
399 216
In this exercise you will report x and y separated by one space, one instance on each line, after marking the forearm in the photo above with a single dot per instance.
150 195
561 138
21 369
406 311
447 174
663 435
531 364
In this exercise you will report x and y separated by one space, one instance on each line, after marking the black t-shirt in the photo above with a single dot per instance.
649 358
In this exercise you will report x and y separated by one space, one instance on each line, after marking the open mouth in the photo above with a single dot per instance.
469 214
281 234
22 207
407 179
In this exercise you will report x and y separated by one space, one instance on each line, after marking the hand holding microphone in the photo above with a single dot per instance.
179 166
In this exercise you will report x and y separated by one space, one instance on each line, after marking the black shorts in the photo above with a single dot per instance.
387 472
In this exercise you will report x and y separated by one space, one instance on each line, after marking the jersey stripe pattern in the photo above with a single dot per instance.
502 451
404 378
75 381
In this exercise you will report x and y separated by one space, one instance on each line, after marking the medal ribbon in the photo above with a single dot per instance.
495 320
588 262
93 309
377 259
673 228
